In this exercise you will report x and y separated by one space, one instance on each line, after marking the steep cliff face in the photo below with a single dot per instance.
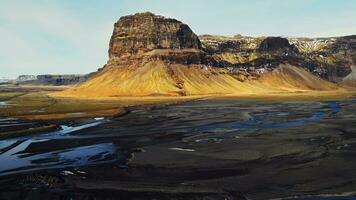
144 32
145 37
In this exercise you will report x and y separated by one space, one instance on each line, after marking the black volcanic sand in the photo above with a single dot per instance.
204 149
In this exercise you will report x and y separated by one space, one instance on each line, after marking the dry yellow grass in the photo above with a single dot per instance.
43 105
199 81
150 79
157 78
291 78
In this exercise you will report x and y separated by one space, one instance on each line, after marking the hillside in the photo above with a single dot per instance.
288 77
159 78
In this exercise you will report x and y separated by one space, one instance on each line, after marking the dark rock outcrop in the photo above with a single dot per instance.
144 32
145 37
276 44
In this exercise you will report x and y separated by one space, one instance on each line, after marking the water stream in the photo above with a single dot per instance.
260 120
14 160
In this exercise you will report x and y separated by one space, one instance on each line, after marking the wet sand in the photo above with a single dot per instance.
205 149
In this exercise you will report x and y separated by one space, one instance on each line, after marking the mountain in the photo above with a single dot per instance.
289 77
51 79
154 55
327 58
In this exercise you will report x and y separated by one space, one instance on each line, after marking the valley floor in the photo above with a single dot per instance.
274 146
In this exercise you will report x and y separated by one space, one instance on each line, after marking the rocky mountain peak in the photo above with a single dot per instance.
143 32
276 44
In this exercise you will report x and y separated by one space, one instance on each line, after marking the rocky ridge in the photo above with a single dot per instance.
328 58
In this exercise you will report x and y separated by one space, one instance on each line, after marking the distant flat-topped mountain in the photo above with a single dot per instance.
154 55
52 79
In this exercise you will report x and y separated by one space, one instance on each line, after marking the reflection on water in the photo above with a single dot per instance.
15 160
74 157
69 129
260 120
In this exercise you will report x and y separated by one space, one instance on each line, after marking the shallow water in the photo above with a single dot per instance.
86 155
260 120
15 160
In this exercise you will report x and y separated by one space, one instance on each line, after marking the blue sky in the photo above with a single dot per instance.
72 36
